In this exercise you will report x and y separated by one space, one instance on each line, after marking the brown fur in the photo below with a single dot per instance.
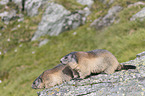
95 61
57 75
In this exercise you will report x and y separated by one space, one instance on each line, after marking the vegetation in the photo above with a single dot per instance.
71 5
24 60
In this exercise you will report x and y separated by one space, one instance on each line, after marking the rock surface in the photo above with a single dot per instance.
57 19
140 15
7 16
52 21
107 19
32 6
121 83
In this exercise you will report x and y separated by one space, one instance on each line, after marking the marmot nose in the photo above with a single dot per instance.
33 86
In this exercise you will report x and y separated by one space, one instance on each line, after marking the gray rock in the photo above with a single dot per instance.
86 11
43 42
73 20
52 21
18 2
103 1
121 83
86 2
107 2
111 2
3 2
140 15
107 19
33 5
136 4
57 19
21 19
7 16
114 10
3 14
141 54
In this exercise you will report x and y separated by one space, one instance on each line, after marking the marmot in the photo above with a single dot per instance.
95 61
57 75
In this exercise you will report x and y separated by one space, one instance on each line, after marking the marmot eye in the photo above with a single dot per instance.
65 57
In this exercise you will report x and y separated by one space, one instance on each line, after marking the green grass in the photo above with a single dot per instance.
71 5
25 61
18 32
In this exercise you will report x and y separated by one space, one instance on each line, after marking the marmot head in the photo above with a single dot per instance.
38 83
69 58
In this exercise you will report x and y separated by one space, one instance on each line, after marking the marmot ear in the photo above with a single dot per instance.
75 58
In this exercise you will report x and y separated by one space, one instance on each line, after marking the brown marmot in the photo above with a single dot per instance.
57 75
95 61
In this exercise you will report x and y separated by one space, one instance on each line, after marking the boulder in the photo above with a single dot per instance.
57 19
52 21
121 83
139 15
107 19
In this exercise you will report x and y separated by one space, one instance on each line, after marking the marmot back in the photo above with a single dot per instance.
95 61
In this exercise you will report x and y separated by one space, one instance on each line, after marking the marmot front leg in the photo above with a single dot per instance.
109 70
83 74
75 73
